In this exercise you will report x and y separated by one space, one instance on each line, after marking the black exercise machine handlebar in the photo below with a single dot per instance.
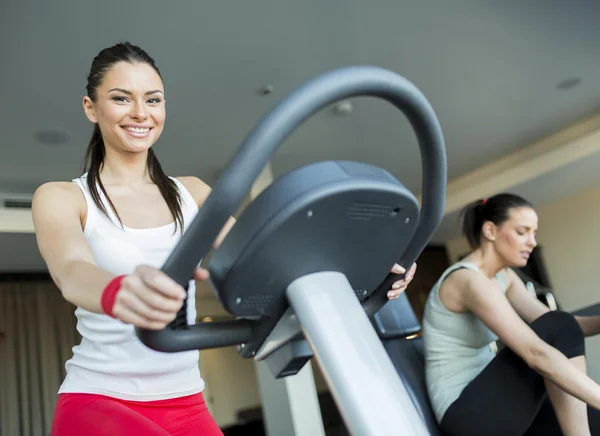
236 180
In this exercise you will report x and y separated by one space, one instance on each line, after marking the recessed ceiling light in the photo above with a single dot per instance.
569 83
266 89
53 136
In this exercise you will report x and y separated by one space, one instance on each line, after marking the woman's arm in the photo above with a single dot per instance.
477 294
147 298
530 308
57 210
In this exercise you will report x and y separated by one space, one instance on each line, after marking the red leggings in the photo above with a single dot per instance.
98 415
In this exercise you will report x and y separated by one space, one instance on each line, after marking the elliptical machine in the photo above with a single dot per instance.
302 268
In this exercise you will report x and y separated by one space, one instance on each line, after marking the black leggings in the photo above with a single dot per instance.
508 398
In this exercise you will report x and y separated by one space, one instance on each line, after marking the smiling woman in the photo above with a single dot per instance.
104 236
125 101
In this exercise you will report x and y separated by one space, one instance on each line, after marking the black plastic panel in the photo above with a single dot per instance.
396 319
331 216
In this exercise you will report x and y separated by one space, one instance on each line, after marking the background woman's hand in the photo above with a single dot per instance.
400 286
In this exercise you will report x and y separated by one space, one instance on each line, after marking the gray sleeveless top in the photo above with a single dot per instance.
456 346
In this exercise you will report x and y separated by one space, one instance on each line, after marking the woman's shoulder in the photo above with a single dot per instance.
459 282
458 275
58 195
459 271
58 191
196 187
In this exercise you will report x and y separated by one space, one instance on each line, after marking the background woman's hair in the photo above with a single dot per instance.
495 209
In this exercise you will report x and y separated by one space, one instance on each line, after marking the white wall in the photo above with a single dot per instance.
570 236
16 221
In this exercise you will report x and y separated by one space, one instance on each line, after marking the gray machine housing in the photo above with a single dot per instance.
349 217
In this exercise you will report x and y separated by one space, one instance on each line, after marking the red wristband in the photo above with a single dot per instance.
109 295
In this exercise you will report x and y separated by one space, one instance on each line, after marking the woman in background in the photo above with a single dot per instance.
481 299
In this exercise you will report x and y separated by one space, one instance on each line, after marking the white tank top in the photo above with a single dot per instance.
111 360
456 346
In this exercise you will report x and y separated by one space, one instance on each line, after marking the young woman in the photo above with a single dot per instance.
480 299
104 237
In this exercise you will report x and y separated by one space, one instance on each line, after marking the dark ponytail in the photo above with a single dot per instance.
96 152
495 209
472 217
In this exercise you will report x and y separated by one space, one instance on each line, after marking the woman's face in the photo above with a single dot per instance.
514 239
129 107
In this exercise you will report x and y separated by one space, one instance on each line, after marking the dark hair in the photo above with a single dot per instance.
94 156
495 209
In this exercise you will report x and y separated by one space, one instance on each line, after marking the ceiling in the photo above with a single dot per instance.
490 69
